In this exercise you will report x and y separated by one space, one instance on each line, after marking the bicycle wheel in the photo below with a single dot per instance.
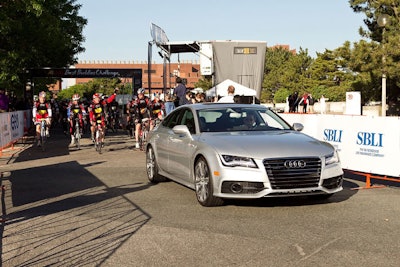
140 139
77 137
99 137
96 140
43 135
144 140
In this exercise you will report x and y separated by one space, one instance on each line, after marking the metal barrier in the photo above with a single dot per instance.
13 126
369 176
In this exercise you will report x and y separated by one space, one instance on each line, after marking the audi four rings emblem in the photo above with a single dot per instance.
295 164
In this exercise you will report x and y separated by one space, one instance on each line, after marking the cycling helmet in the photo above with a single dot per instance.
42 94
75 97
140 91
96 95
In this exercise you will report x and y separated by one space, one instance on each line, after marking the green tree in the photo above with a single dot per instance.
38 33
285 73
102 86
332 74
204 82
275 61
384 51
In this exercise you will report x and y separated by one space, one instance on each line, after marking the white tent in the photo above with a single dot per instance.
222 89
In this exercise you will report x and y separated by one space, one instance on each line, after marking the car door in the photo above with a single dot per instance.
182 147
162 141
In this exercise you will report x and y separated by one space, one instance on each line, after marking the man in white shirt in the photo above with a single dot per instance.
229 97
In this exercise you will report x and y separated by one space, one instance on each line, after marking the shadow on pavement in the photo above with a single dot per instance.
56 145
60 214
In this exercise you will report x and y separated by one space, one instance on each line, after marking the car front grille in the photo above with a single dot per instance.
291 173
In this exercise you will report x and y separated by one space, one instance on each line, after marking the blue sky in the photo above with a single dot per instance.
120 29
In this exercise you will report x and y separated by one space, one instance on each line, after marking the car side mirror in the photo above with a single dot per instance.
181 130
298 127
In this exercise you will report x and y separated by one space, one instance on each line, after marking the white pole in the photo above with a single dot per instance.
384 95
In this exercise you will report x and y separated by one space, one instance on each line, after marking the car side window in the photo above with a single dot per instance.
172 120
188 120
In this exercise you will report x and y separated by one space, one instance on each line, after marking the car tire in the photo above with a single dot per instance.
151 167
203 185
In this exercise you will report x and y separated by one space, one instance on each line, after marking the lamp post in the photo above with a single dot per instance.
383 20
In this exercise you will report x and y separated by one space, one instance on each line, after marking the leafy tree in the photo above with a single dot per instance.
385 53
276 60
205 83
102 86
332 73
38 33
285 73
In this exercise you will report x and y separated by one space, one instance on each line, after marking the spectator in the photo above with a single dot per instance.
304 102
169 104
188 99
228 98
4 101
311 102
200 98
179 91
293 102
322 104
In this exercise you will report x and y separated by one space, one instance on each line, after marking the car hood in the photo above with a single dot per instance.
269 144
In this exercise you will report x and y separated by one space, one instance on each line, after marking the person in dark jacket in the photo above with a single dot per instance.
179 91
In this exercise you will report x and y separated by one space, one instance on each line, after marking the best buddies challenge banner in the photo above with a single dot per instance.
365 144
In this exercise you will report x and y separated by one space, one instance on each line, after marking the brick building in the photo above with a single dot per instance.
187 70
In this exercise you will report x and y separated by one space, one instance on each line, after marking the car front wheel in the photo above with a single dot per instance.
151 167
203 185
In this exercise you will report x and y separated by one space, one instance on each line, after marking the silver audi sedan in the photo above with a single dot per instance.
241 151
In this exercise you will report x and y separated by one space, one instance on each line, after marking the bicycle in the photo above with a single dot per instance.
144 131
99 135
43 133
131 127
77 133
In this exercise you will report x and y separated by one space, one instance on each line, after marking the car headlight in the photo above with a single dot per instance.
236 161
332 158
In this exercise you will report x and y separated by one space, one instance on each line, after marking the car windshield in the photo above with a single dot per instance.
240 119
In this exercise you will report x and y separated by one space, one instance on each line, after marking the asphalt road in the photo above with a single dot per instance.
68 207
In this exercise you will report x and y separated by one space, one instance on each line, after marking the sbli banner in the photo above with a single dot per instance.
365 144
13 125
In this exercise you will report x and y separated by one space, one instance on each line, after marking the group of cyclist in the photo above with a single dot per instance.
140 109
143 109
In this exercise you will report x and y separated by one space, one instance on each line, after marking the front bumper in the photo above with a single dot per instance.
246 183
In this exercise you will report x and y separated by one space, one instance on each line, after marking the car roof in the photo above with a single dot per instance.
212 105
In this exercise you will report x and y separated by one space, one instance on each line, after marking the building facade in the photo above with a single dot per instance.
188 71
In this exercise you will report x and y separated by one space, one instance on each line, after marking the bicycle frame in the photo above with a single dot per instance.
77 133
43 135
144 130
98 136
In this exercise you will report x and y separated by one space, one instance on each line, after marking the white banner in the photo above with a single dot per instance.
5 130
13 125
353 103
365 144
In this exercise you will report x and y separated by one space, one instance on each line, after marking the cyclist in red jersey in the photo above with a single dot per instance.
131 110
75 109
157 110
41 110
143 107
96 111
